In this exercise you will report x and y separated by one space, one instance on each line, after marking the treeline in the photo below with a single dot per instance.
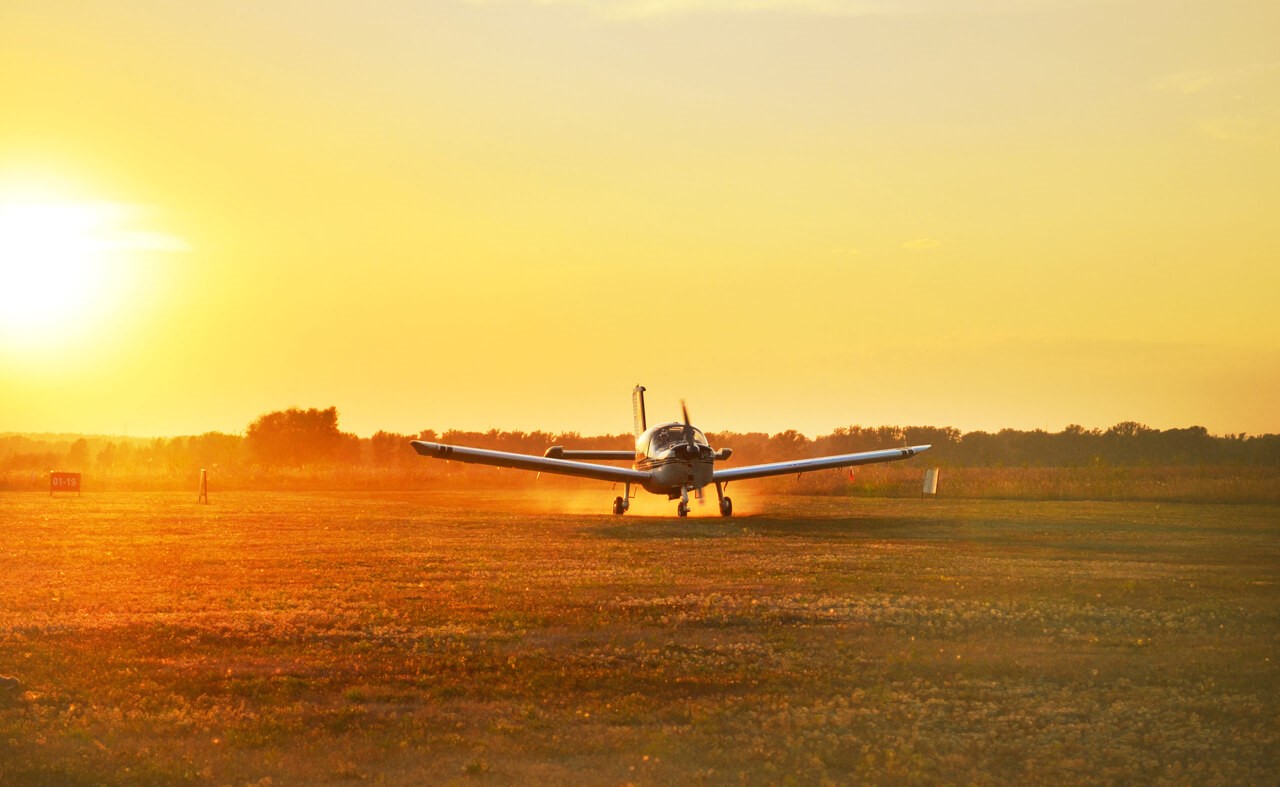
308 444
1126 444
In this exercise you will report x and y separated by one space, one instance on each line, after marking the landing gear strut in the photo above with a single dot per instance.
726 504
621 504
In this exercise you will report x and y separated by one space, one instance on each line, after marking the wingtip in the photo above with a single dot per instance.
423 447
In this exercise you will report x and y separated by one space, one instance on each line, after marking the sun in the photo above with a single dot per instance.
51 264
64 265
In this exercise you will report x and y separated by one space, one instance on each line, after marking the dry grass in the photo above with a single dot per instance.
1159 483
409 638
1163 484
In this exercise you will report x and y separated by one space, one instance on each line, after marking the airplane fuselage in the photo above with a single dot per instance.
677 464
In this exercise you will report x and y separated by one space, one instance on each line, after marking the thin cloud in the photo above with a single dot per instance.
1185 82
145 241
1241 130
1251 120
1189 83
643 9
922 244
120 230
100 225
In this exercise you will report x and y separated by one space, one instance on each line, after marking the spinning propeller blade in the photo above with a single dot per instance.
688 427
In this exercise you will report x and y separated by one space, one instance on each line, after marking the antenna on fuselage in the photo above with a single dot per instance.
637 408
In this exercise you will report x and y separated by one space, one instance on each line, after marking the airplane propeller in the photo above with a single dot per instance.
690 443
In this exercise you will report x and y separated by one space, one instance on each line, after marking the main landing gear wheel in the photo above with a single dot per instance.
619 506
683 509
726 507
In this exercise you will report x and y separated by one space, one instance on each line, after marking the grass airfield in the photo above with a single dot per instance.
476 638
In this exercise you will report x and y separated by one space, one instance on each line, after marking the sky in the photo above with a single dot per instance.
505 213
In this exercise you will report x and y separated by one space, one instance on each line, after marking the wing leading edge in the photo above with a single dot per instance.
821 463
481 456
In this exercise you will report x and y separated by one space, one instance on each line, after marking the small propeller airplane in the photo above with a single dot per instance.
671 459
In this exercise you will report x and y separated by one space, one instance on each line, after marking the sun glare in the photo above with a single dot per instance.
52 265
63 264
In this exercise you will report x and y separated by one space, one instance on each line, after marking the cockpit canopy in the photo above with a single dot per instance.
667 436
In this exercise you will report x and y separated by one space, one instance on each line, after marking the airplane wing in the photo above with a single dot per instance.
481 456
821 463
560 452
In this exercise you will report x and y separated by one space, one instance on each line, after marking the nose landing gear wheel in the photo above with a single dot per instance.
683 509
726 507
619 506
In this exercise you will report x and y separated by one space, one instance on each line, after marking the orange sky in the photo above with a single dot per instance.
977 213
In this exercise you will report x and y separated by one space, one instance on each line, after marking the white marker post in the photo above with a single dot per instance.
203 497
930 482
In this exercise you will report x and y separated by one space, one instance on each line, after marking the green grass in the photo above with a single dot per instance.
409 638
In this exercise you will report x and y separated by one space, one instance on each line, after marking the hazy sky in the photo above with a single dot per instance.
808 214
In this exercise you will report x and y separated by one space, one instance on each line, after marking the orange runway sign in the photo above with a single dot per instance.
64 482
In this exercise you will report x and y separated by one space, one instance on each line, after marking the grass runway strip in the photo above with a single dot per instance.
484 638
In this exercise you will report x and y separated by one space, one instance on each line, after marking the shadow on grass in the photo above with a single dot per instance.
1040 532
824 529
1069 539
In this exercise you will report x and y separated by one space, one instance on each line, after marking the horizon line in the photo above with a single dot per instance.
585 435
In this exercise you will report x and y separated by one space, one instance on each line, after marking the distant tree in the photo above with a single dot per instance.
295 437
1129 429
1076 446
889 437
213 449
78 454
789 444
748 447
389 448
106 457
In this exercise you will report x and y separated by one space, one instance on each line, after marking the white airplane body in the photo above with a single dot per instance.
671 459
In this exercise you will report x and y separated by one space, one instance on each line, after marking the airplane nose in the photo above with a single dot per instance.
692 451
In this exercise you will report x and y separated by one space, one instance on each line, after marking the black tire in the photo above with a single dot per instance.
726 507
682 510
619 506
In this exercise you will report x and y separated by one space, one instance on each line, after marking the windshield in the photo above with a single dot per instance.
667 436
